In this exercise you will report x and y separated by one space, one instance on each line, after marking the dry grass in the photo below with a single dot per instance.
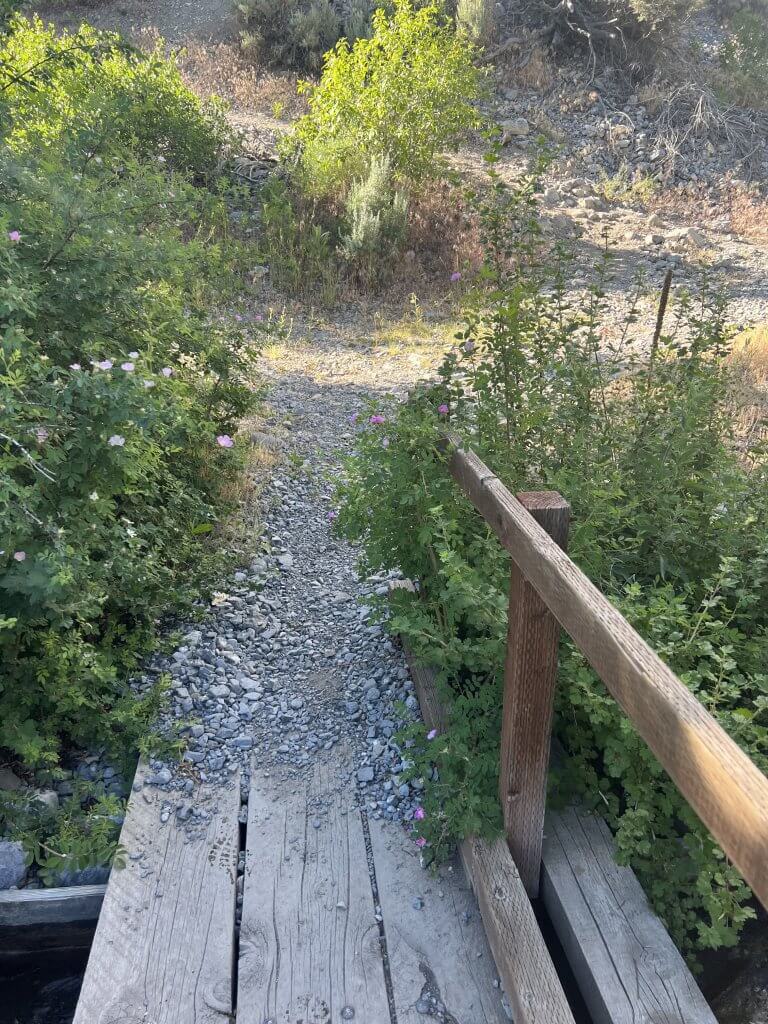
223 69
749 361
735 207
748 214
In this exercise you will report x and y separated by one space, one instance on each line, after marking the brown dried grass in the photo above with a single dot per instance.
749 363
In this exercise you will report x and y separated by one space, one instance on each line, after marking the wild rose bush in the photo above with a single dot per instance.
668 521
120 387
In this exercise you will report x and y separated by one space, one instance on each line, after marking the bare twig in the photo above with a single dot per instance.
29 457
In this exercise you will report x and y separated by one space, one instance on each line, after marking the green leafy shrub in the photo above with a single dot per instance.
744 60
90 91
377 218
82 833
666 521
118 384
297 247
405 94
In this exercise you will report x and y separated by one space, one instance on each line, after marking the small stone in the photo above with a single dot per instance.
417 903
97 875
423 1006
365 774
347 1013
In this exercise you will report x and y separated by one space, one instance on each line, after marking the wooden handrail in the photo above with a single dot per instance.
720 782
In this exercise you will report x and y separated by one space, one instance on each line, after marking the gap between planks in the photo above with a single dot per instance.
310 941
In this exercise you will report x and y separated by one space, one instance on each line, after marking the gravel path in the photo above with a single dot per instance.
289 667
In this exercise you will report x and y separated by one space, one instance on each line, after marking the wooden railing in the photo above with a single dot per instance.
547 590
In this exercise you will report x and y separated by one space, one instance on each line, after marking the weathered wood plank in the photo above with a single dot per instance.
164 945
523 962
309 940
627 967
26 908
722 785
438 952
530 675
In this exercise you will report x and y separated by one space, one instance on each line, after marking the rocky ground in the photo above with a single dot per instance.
291 660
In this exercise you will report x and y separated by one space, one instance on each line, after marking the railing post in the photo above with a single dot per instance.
529 690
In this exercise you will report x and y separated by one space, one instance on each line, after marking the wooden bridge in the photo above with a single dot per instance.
339 922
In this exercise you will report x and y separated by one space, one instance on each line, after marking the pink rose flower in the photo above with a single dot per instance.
20 556
166 371
443 409
225 441
419 814
14 236
431 734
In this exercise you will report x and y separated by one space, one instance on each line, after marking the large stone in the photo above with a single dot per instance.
96 875
516 128
9 780
13 869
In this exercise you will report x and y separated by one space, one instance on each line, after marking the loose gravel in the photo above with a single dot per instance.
291 664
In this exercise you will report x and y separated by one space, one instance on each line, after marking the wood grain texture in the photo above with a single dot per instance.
25 908
522 960
722 785
526 969
628 969
164 945
530 675
309 941
439 951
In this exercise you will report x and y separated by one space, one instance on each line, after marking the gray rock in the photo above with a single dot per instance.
9 781
13 869
48 797
517 127
365 774
97 875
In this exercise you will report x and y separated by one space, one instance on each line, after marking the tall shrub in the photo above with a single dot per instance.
403 95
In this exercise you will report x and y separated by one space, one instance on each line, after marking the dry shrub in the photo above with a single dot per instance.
221 68
528 66
749 361
748 214
737 207
443 233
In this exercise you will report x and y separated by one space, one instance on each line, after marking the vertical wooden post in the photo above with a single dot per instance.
529 690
